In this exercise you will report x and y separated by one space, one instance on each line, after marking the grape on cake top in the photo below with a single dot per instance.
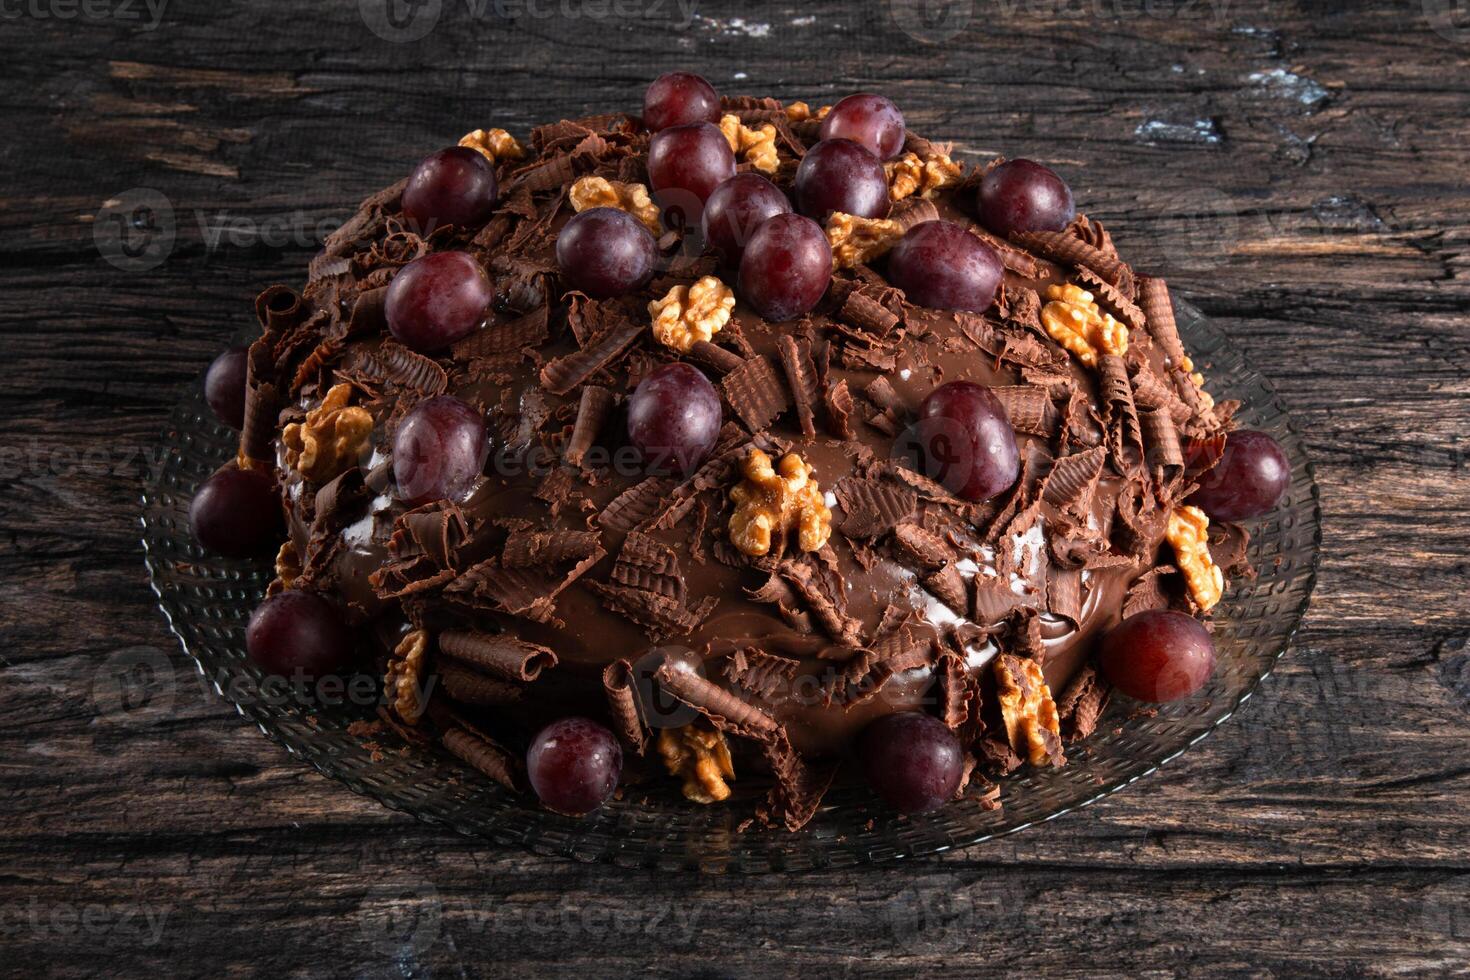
726 443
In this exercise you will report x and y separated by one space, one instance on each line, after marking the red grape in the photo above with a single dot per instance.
840 175
606 252
1248 481
295 633
1021 195
677 98
941 265
786 267
1159 655
455 186
437 299
685 165
912 761
224 387
869 119
964 440
736 209
438 451
674 418
574 765
237 512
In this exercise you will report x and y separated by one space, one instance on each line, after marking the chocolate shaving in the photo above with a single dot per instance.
486 756
1150 391
1148 592
871 506
1072 482
956 690
593 411
1064 592
1029 408
563 374
921 547
637 505
756 393
913 212
622 704
821 589
530 330
279 308
1082 704
837 400
499 654
801 378
948 586
1125 439
765 675
994 600
867 314
392 364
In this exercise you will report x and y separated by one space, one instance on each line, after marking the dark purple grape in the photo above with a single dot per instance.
1248 481
438 299
941 265
606 252
237 512
1021 195
574 765
786 267
224 387
438 451
1159 655
963 439
685 165
869 119
736 209
455 186
674 418
298 634
912 761
677 98
840 175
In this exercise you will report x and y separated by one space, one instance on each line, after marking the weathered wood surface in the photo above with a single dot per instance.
1297 169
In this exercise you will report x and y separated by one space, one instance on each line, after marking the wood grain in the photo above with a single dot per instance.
1297 169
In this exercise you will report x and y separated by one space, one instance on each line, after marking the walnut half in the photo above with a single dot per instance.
701 757
925 176
494 144
599 192
1188 533
1073 319
1028 710
403 686
687 314
758 145
856 240
330 439
769 502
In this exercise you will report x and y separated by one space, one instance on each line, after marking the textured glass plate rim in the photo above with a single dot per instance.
716 850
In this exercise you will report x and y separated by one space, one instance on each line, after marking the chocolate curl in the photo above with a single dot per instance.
541 549
796 361
724 710
799 786
592 413
1161 437
279 308
1019 305
390 363
551 175
1021 263
622 704
915 211
565 373
955 690
1125 440
993 600
1111 299
1073 481
477 690
1059 246
368 312
756 393
766 675
1082 704
485 755
1151 391
1029 408
837 400
1158 313
1093 233
262 407
1148 591
636 505
712 355
822 591
497 653
862 311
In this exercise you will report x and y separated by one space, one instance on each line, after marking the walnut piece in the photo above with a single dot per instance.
800 112
701 757
1073 319
1028 710
599 192
758 145
495 144
768 503
288 566
1188 533
403 686
691 313
925 176
856 241
330 439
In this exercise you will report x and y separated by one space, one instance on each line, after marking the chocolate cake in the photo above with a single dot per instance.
740 612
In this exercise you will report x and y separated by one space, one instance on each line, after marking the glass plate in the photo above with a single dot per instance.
207 601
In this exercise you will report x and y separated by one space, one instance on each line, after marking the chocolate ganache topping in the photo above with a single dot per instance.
538 445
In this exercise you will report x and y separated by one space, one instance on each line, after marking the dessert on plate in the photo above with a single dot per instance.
734 444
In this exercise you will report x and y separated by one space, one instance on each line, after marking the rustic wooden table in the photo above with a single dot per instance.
1297 169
